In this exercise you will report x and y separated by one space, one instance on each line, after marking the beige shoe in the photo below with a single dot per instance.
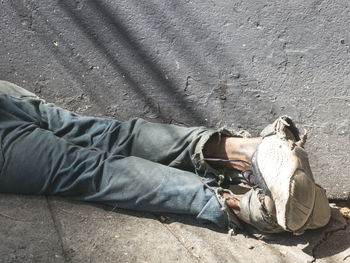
282 167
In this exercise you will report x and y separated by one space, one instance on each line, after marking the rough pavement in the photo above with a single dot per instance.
40 229
235 63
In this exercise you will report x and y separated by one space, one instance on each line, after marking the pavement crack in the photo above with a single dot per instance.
55 223
187 83
324 238
13 218
189 248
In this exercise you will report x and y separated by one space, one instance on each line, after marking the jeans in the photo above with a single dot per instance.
137 165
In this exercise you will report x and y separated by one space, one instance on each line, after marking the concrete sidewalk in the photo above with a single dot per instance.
53 229
214 63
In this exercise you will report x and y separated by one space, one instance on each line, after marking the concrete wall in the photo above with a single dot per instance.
235 63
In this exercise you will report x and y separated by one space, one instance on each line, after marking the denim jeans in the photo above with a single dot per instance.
136 164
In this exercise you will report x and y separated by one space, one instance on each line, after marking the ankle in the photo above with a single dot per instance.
241 147
239 150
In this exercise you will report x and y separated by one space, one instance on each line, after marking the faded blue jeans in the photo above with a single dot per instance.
134 164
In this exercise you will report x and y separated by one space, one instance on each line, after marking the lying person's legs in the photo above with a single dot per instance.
97 159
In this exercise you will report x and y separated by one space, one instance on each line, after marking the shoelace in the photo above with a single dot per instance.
250 178
248 175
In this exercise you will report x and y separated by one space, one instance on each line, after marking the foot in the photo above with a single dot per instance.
233 201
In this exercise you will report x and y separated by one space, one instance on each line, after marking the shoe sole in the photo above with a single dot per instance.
284 174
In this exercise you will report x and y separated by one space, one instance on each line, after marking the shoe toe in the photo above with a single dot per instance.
300 203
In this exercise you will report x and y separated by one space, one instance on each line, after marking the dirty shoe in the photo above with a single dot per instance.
282 168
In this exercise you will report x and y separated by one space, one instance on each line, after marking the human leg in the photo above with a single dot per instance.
231 152
136 131
38 162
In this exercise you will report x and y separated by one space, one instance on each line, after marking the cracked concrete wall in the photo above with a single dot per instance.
214 63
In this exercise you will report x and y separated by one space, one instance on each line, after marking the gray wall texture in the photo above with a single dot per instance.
215 63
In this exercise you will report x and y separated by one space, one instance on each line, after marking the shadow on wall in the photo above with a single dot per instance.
122 43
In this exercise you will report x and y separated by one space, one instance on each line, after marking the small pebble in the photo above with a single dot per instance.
196 255
250 246
163 218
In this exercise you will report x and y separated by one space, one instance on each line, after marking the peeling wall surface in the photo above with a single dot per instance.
215 63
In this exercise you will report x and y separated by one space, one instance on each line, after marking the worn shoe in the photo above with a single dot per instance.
282 169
